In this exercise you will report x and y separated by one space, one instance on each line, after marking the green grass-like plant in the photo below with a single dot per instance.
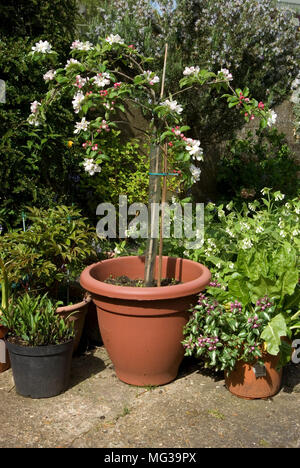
33 321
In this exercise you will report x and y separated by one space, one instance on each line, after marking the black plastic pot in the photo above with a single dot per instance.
41 371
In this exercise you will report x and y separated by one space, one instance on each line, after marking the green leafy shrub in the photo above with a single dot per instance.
32 172
57 245
125 174
53 20
33 321
253 299
251 251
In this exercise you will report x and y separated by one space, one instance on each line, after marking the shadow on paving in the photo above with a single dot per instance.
84 367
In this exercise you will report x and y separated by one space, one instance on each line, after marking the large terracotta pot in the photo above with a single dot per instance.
245 383
142 327
76 313
4 365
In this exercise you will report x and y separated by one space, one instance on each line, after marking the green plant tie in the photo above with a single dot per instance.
164 173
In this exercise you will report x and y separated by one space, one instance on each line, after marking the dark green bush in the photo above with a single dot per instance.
53 250
250 164
53 20
32 171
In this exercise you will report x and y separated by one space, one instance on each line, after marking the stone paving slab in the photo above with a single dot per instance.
194 411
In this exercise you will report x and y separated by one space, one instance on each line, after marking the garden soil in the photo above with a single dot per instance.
193 411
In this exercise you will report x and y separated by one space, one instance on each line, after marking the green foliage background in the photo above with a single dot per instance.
258 41
32 170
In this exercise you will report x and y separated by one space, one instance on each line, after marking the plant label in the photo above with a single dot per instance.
259 370
2 352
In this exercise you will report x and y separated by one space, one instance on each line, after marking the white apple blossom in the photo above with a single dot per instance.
49 75
80 81
194 148
90 166
77 100
173 106
71 62
272 118
191 70
34 107
195 171
114 39
82 125
42 46
33 120
226 73
149 76
102 79
78 45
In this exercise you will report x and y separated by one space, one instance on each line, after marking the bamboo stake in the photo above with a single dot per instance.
154 198
163 200
164 190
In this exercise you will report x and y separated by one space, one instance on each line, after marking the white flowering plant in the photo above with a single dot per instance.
253 256
102 80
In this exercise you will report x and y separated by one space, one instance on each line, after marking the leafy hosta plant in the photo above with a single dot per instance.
33 321
105 81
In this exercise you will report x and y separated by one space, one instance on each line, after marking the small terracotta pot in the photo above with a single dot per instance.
244 383
4 365
78 312
142 328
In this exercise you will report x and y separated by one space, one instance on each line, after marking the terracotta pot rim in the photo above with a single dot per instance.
73 307
94 286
